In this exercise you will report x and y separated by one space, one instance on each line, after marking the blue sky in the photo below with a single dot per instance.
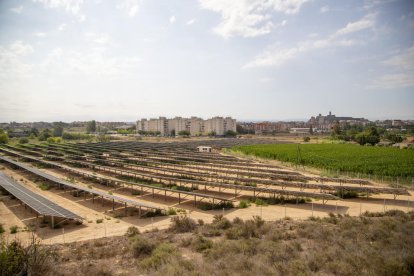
251 59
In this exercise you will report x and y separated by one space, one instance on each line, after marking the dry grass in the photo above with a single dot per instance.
372 244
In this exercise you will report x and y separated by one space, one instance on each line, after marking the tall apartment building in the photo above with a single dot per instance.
194 125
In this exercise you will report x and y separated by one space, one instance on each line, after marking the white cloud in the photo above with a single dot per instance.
71 6
277 56
131 7
324 9
39 34
367 22
12 65
20 49
62 27
17 9
401 67
249 18
191 21
93 63
392 81
172 19
403 60
100 38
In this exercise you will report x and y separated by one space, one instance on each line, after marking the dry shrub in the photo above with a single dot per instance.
132 231
199 243
182 224
141 246
220 222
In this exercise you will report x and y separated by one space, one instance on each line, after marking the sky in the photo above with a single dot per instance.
76 60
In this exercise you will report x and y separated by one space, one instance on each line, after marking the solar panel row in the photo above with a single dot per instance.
66 183
40 204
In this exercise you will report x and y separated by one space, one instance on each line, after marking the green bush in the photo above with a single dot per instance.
199 243
99 221
244 204
163 253
141 246
260 202
23 140
220 222
132 231
4 138
13 229
43 186
171 212
306 139
346 194
182 224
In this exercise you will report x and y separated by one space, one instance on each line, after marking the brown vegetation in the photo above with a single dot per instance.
374 243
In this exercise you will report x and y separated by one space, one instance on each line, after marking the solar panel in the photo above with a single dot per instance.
40 204
66 183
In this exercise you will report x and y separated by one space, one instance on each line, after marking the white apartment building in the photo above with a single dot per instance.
194 125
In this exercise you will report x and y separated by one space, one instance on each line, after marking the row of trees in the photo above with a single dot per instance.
364 135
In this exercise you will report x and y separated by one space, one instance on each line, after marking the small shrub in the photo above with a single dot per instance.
160 255
182 224
43 186
258 221
141 246
306 139
260 202
200 222
171 212
23 140
346 194
237 220
99 221
244 204
132 231
199 243
221 222
13 229
1 229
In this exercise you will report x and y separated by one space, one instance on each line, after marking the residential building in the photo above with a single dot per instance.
194 125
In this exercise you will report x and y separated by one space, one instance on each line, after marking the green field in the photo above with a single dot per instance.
376 161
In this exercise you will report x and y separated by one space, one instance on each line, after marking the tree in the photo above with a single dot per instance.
44 135
310 130
240 129
4 138
212 133
184 133
230 133
34 131
91 126
58 131
393 137
23 140
336 129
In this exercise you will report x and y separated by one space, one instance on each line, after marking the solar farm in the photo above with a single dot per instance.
119 184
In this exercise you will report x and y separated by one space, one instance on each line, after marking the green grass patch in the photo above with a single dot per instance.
13 229
43 186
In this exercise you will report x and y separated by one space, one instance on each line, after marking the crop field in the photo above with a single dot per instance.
380 161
